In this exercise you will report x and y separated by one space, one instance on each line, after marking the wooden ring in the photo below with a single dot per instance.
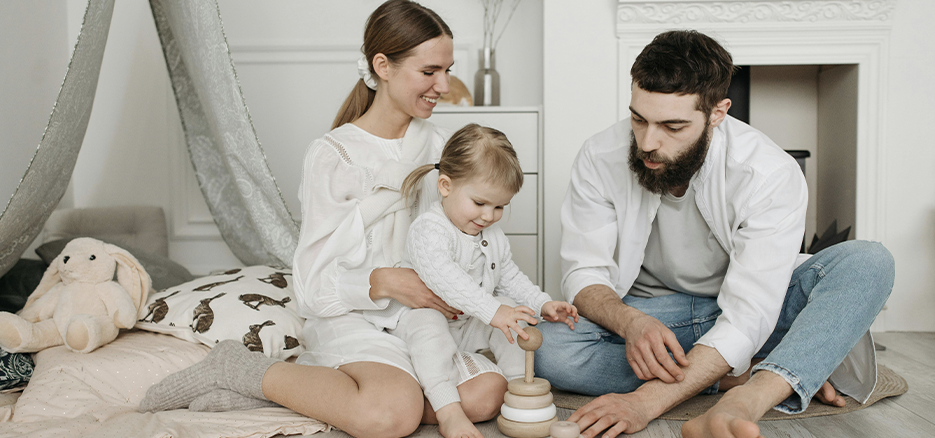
527 402
528 415
538 386
524 430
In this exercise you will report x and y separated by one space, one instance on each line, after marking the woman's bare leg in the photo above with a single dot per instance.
364 399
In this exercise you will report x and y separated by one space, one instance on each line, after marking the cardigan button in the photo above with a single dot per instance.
493 266
483 242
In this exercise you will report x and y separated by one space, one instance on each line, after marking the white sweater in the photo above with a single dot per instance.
441 257
342 241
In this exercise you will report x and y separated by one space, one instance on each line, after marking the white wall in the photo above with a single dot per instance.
910 185
33 57
579 99
572 115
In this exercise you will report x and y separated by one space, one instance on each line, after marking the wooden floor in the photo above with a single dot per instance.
911 355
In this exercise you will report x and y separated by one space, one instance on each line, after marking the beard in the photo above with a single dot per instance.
675 172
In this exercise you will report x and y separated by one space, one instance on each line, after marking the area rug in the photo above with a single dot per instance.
889 384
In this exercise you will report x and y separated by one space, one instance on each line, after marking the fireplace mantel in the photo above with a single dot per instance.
787 32
754 13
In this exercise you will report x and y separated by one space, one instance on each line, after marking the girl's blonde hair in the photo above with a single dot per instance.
394 29
474 152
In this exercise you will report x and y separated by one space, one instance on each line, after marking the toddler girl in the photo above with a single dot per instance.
466 261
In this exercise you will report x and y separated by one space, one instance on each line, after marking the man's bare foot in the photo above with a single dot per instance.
452 423
827 395
729 418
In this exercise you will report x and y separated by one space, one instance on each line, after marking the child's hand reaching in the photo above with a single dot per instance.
560 311
508 318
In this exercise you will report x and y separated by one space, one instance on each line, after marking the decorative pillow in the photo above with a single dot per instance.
164 272
19 282
15 369
254 305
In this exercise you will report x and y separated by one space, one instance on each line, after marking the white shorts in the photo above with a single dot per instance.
340 340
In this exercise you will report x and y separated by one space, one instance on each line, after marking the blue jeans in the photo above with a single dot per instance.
830 303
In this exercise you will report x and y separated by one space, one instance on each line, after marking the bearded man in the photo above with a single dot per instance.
681 231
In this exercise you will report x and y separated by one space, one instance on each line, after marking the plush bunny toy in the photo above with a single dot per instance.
77 302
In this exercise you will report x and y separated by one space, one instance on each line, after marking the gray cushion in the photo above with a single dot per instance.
164 272
142 227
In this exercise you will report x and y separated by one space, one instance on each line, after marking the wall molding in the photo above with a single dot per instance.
754 12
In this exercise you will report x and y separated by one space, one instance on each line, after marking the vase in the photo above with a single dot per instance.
487 80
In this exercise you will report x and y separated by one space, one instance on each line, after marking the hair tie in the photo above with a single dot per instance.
436 166
363 69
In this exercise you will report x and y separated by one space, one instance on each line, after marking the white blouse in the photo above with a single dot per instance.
340 243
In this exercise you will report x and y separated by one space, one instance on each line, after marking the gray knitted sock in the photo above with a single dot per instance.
229 365
225 400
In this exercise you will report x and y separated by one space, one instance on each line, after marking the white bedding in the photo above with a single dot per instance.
97 394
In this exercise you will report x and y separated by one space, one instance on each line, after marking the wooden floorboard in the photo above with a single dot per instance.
911 355
920 399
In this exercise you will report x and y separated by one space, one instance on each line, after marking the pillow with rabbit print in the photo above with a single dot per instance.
254 305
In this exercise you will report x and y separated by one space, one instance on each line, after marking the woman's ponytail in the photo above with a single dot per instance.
356 104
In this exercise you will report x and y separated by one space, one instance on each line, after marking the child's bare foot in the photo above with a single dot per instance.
452 423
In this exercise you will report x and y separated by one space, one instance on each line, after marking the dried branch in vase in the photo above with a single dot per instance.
492 9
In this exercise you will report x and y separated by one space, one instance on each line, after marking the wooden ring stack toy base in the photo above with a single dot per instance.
528 411
564 429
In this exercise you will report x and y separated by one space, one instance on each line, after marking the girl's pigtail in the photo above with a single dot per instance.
412 181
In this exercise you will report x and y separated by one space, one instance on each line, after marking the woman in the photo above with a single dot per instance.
354 375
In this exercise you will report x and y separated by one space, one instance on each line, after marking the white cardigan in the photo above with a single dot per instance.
441 257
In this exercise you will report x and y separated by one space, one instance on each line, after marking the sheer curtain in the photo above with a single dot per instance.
46 178
229 162
230 165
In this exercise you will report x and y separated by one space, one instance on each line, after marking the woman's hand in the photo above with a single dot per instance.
405 286
508 318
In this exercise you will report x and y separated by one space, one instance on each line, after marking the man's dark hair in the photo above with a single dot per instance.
685 62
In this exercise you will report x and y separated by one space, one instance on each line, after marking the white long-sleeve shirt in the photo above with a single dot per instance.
443 256
751 194
341 239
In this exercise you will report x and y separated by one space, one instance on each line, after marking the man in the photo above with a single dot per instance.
681 230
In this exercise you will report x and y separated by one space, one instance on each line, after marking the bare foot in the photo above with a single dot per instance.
829 396
452 423
729 418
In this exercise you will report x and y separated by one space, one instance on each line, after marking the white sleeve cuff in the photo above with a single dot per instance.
353 289
576 281
486 310
733 346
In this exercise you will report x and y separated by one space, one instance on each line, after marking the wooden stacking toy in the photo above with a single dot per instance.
528 411
564 429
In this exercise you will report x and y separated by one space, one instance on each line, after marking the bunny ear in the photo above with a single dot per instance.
130 274
50 278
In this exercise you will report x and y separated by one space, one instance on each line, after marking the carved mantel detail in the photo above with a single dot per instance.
754 12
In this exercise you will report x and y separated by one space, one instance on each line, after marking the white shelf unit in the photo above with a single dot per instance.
522 219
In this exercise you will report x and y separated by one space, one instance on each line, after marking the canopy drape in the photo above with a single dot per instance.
227 156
